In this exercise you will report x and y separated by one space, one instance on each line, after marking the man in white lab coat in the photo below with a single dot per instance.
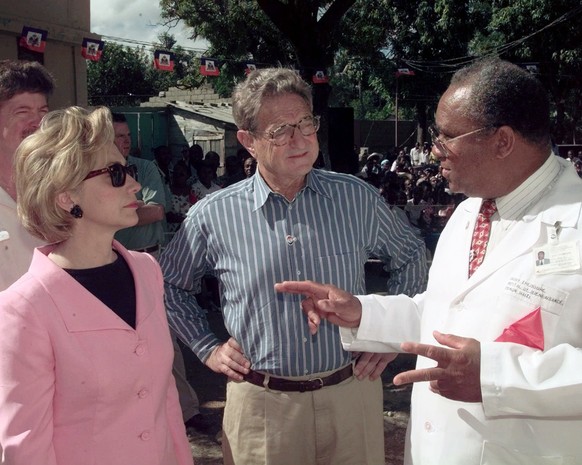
498 378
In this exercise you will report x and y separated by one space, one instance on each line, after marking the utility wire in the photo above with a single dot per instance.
451 64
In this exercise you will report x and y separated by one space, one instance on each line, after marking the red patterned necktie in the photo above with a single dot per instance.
481 235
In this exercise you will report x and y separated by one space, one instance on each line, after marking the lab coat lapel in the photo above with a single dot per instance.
530 231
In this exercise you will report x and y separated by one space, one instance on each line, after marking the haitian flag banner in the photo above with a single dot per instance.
250 67
404 72
164 60
92 49
533 68
33 39
320 76
209 67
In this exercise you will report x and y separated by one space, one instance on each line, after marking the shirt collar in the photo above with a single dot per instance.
514 204
262 190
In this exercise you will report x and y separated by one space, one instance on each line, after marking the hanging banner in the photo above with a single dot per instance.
92 49
250 67
533 68
33 39
320 76
163 60
209 67
404 72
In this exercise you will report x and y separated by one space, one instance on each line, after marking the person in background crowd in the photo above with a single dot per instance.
181 197
250 167
288 220
162 160
86 351
194 158
371 171
213 159
233 171
205 184
24 90
415 154
148 234
500 337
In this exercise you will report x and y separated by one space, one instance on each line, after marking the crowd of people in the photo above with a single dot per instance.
91 369
416 185
195 175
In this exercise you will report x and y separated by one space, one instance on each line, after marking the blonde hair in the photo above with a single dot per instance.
56 159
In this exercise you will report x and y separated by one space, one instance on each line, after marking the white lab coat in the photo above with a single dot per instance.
532 400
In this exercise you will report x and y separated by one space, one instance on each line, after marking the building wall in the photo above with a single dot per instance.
187 127
203 94
67 22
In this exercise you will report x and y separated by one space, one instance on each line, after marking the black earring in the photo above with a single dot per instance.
76 211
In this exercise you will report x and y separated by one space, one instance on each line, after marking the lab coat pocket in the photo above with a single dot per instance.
496 454
522 296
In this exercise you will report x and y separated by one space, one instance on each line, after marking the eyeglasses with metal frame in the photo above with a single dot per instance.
283 134
117 172
442 144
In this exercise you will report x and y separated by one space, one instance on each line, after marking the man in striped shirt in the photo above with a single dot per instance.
292 398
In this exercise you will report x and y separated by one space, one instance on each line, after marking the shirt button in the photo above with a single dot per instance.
304 339
140 349
428 426
145 436
299 273
143 393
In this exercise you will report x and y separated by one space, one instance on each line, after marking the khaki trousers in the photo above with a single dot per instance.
336 425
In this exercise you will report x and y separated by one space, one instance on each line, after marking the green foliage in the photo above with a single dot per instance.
363 42
126 76
119 77
553 40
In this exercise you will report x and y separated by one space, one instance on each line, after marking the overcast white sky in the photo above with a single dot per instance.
136 20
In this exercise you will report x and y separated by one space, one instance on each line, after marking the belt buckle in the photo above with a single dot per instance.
308 386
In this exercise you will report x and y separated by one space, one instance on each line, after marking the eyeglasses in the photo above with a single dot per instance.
442 144
283 134
117 172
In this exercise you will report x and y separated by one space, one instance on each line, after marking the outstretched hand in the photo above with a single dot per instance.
457 375
324 301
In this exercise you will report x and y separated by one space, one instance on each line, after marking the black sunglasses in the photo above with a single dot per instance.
117 172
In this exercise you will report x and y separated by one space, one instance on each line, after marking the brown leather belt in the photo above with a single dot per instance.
282 384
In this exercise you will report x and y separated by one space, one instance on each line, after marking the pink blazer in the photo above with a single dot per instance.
77 384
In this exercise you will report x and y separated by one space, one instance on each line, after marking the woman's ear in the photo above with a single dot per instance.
65 201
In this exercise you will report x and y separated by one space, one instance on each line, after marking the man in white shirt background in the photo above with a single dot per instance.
24 91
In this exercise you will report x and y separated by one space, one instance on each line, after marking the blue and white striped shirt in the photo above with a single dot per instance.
252 238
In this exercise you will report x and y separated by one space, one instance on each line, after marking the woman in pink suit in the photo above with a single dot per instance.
85 350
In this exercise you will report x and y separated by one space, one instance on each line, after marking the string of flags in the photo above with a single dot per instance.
35 39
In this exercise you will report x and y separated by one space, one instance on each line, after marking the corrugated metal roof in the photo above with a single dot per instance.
219 112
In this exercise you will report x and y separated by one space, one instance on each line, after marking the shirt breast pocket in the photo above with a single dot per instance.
344 270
